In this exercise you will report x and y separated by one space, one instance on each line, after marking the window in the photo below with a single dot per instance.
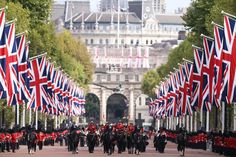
122 41
91 41
108 77
131 42
139 116
140 101
86 41
117 77
146 42
126 77
107 41
100 41
151 42
98 77
116 41
137 78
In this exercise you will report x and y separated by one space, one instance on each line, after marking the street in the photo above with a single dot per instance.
57 151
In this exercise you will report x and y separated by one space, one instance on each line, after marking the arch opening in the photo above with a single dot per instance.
92 108
117 108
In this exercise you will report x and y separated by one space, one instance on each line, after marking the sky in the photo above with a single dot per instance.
171 5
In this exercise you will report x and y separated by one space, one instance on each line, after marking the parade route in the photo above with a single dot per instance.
57 151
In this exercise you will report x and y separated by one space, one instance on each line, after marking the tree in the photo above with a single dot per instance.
196 17
149 82
16 11
215 13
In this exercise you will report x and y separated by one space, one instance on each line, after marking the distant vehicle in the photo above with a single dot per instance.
146 126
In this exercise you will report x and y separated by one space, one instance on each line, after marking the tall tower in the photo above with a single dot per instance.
145 9
159 6
112 5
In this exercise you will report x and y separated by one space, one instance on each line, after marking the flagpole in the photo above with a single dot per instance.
187 122
191 123
202 35
207 121
227 14
45 122
195 121
187 61
213 23
23 116
36 119
10 22
223 117
194 46
6 7
201 117
30 117
22 33
31 58
17 114
118 24
55 121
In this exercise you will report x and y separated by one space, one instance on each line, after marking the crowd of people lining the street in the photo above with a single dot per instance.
118 136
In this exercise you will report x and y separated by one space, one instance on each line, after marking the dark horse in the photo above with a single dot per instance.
31 141
108 140
75 141
91 141
130 143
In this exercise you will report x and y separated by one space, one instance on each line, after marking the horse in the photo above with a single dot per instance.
181 140
108 140
130 143
31 142
75 141
91 141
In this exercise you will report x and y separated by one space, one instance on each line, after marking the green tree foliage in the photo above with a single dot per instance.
39 10
92 107
216 15
196 17
149 82
74 56
16 11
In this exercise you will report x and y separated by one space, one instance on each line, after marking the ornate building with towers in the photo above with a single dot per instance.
123 45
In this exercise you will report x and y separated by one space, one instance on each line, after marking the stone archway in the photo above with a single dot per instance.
117 108
92 107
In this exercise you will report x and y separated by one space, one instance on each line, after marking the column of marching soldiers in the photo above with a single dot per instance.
114 136
210 80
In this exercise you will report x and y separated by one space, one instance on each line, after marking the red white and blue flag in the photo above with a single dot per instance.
38 83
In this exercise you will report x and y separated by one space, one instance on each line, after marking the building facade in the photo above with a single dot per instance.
123 47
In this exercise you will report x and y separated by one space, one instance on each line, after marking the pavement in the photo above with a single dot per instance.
61 151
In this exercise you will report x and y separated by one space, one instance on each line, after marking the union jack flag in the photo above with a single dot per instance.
23 52
197 78
2 51
220 48
185 89
229 83
208 73
38 83
3 87
11 63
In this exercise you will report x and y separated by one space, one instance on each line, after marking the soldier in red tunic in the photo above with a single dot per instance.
2 140
13 140
40 139
8 140
131 128
92 127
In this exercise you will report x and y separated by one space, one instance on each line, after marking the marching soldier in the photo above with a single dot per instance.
2 140
91 137
40 139
8 140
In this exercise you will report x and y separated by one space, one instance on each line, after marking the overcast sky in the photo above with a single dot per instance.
171 5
